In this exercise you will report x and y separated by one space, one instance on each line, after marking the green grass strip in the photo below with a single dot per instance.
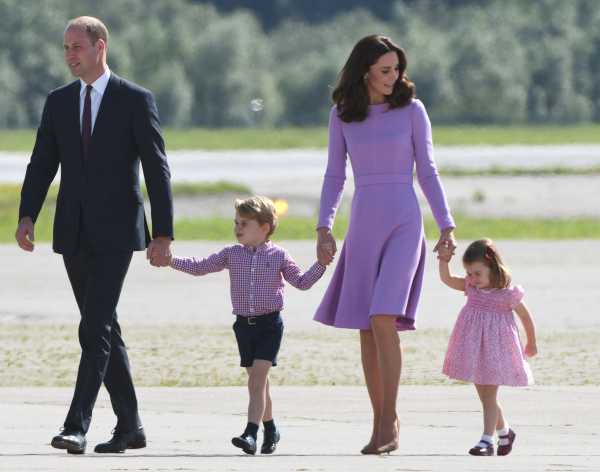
316 137
525 135
303 228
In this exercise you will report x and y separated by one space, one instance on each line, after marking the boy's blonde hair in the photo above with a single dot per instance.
261 209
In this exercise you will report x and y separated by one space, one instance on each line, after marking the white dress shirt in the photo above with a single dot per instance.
98 88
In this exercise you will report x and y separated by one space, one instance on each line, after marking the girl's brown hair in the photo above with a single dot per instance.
351 95
484 250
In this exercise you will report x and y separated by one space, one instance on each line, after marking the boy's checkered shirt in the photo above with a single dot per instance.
256 277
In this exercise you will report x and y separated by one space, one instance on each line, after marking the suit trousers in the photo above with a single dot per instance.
97 278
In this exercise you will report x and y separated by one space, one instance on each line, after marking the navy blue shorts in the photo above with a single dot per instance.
258 337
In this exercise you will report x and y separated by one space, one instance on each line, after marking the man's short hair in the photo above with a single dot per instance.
93 27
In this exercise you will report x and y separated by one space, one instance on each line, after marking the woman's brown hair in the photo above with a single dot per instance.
484 250
351 95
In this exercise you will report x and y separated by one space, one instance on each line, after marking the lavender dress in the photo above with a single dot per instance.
380 266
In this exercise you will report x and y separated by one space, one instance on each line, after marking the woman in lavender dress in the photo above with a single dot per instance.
386 132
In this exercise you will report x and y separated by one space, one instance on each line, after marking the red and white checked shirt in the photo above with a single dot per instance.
256 282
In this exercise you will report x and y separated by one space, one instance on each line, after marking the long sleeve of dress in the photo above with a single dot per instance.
335 175
427 173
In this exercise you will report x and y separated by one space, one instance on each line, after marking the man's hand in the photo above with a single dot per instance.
24 234
159 251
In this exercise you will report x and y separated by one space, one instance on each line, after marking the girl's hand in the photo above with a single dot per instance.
525 317
444 253
446 240
530 350
326 247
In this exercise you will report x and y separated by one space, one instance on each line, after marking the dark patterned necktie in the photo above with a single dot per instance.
86 122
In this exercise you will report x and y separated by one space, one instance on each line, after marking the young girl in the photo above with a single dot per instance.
256 271
484 347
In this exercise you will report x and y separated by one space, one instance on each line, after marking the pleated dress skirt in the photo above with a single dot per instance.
380 266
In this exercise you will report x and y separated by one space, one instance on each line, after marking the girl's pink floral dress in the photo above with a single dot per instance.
484 347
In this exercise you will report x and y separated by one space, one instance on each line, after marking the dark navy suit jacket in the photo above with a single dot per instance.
103 189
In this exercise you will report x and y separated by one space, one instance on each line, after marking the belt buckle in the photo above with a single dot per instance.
252 320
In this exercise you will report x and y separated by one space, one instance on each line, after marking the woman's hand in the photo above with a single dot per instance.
326 247
446 240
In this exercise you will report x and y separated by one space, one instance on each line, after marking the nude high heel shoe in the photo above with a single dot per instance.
393 444
369 449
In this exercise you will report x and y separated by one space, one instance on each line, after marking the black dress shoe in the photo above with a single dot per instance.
73 441
121 441
270 442
487 450
246 443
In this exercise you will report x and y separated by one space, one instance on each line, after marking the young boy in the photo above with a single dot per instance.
256 267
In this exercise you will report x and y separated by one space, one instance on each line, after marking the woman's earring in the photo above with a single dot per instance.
366 76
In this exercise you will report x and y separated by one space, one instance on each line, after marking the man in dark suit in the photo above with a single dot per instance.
98 129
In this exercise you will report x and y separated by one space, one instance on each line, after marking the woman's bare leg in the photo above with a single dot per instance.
370 363
389 355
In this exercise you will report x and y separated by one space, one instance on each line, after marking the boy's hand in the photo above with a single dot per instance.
324 260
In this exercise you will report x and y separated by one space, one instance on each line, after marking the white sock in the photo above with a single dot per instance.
485 437
503 432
